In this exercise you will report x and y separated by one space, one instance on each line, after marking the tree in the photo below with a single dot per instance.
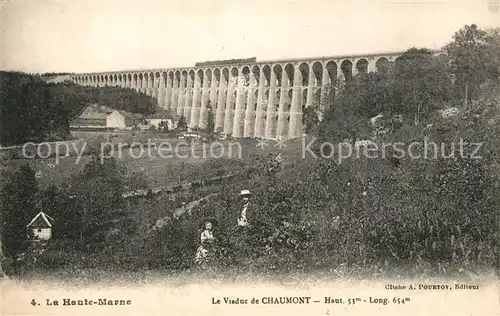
344 118
26 113
415 87
96 203
474 58
182 124
421 84
163 126
310 119
210 127
493 40
138 181
17 208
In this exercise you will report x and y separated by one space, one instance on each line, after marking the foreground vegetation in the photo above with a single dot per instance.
363 217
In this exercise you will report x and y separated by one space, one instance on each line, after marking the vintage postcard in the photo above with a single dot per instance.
249 157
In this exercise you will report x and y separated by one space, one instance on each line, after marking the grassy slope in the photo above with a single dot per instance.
159 171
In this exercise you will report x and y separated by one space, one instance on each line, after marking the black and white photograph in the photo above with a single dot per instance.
249 157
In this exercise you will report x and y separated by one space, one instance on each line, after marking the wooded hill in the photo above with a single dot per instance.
34 110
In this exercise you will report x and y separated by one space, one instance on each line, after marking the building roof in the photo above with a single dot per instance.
129 115
162 114
46 218
95 111
101 112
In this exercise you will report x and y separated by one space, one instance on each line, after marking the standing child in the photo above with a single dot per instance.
206 250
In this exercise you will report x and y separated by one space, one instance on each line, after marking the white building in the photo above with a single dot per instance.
162 116
41 225
122 120
156 122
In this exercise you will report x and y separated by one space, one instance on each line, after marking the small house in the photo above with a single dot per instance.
161 116
41 225
122 119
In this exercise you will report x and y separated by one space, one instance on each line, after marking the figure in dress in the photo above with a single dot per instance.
206 251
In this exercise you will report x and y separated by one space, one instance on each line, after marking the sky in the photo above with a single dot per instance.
93 36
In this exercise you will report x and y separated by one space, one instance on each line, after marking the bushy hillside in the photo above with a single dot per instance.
114 97
385 216
29 111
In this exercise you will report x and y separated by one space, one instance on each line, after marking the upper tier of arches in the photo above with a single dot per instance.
301 72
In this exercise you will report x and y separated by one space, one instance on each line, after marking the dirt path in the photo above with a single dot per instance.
161 222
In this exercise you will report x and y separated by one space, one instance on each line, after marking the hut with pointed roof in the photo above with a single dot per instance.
41 225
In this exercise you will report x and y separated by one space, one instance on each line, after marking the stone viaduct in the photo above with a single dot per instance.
249 98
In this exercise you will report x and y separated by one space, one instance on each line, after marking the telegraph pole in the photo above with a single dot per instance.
466 95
